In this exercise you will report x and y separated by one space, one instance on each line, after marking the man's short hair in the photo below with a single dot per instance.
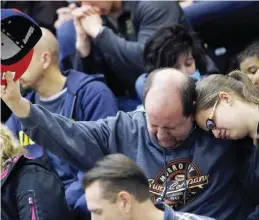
187 91
118 173
250 51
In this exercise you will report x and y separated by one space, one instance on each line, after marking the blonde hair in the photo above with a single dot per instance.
236 82
10 146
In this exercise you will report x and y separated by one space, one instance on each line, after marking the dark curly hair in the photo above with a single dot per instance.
167 43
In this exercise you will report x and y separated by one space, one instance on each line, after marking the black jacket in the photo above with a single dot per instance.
120 49
30 190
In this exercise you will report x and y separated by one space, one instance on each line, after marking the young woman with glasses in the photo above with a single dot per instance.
228 106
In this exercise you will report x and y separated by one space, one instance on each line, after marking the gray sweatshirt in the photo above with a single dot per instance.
205 176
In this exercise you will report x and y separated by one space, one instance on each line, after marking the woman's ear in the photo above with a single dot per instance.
227 97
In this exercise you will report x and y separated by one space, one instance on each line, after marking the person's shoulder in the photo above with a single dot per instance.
96 86
32 170
156 5
134 117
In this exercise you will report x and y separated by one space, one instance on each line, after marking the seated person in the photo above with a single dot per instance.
114 44
248 61
223 104
187 167
117 188
30 189
72 94
173 47
228 106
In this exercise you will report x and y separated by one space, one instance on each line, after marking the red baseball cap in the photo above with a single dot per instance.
19 34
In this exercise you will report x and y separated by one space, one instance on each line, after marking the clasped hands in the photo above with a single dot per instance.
87 22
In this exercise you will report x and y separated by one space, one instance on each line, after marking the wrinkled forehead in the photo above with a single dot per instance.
165 117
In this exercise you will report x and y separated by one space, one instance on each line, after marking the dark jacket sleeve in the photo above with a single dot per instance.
98 102
125 57
12 123
79 143
248 166
40 199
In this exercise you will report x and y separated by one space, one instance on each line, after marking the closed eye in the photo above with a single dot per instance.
252 70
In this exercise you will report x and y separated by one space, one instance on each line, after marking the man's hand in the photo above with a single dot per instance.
64 14
90 19
83 44
11 95
92 24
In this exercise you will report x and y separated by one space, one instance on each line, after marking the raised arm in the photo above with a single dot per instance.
80 143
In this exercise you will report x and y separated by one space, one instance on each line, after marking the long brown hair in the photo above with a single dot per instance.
236 82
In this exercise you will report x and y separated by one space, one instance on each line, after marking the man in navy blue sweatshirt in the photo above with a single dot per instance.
74 95
187 168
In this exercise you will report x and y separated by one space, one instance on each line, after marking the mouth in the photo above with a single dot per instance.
223 134
228 135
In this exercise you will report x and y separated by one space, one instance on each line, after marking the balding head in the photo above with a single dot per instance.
167 86
48 43
169 97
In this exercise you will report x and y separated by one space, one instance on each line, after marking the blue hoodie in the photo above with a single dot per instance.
204 175
86 99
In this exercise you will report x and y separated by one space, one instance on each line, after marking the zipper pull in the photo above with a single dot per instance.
30 200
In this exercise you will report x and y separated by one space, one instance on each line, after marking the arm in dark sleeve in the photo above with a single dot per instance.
41 199
102 104
85 64
79 143
12 123
248 167
125 57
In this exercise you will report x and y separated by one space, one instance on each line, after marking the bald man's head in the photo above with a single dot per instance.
48 43
169 103
165 86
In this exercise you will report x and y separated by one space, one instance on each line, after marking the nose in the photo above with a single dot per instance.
161 133
216 133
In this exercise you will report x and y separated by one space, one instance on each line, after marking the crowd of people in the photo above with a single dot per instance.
124 114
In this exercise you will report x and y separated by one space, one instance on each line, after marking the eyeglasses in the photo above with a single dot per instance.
210 124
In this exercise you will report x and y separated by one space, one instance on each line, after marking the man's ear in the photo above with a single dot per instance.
125 201
46 60
227 97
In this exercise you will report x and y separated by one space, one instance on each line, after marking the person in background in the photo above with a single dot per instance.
187 168
248 61
72 94
109 38
117 188
175 47
43 12
30 189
